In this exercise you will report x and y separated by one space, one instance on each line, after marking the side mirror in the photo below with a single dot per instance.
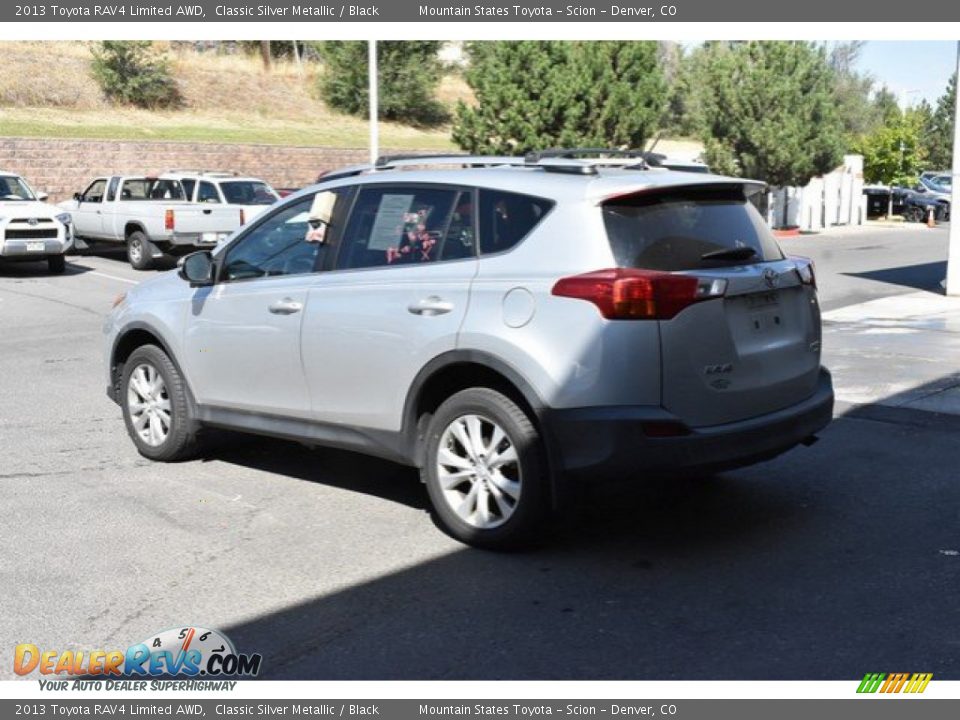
920 189
43 197
77 197
196 268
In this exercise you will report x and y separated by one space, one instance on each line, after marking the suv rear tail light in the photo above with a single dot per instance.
630 294
805 270
243 217
168 220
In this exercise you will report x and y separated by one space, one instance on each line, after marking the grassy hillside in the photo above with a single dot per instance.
46 90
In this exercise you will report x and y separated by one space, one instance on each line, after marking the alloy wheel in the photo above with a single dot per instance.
149 404
479 471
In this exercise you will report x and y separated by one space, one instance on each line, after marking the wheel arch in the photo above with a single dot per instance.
458 370
133 226
133 336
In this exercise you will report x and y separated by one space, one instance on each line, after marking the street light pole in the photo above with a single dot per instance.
374 101
953 249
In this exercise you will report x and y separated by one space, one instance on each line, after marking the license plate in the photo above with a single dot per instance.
36 246
759 301
212 237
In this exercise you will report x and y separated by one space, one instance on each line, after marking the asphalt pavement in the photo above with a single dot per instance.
826 563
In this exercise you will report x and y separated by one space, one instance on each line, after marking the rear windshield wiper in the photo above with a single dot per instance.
737 253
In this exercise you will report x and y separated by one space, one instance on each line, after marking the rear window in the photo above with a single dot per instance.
246 192
506 218
151 189
675 229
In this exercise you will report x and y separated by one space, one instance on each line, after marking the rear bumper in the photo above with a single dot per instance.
200 240
610 442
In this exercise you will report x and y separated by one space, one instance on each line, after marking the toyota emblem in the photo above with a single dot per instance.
32 222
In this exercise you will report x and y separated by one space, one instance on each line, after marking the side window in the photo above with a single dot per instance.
112 189
506 218
406 225
188 185
207 193
94 193
289 242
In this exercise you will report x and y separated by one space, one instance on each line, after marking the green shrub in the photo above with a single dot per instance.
133 72
408 75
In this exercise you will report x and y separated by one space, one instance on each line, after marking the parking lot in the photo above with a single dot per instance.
826 563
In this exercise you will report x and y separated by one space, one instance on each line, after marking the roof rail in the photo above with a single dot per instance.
385 160
572 161
345 172
590 153
390 162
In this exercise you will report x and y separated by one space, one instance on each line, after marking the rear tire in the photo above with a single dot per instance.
156 408
56 264
484 470
140 251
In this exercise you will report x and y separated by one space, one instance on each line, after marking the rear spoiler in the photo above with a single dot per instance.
749 188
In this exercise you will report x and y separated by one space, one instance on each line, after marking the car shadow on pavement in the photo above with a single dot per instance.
37 269
820 564
925 276
335 468
119 254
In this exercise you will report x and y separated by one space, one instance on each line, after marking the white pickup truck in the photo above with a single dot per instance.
150 215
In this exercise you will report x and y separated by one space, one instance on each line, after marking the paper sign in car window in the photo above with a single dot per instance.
388 227
322 207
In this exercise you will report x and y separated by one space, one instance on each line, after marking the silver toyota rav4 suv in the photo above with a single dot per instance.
509 326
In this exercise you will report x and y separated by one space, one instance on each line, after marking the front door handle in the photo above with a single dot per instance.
287 306
430 306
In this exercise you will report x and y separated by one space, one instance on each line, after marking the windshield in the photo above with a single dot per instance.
944 181
14 188
687 228
248 192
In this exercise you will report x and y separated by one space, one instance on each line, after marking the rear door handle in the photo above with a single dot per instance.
287 306
430 306
207 211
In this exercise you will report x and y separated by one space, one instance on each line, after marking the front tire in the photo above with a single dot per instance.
484 470
156 408
140 251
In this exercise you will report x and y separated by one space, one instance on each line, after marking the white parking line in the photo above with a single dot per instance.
113 277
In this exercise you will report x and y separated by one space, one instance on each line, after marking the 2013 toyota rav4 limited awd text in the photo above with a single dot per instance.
508 326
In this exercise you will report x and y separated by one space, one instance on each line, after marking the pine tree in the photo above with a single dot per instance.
532 95
770 113
408 75
938 135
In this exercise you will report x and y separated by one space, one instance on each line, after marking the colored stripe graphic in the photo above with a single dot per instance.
871 682
894 682
919 682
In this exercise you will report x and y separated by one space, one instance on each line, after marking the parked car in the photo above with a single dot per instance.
150 215
30 228
249 195
917 205
506 330
912 205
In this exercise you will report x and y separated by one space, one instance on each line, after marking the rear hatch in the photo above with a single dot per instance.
751 345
